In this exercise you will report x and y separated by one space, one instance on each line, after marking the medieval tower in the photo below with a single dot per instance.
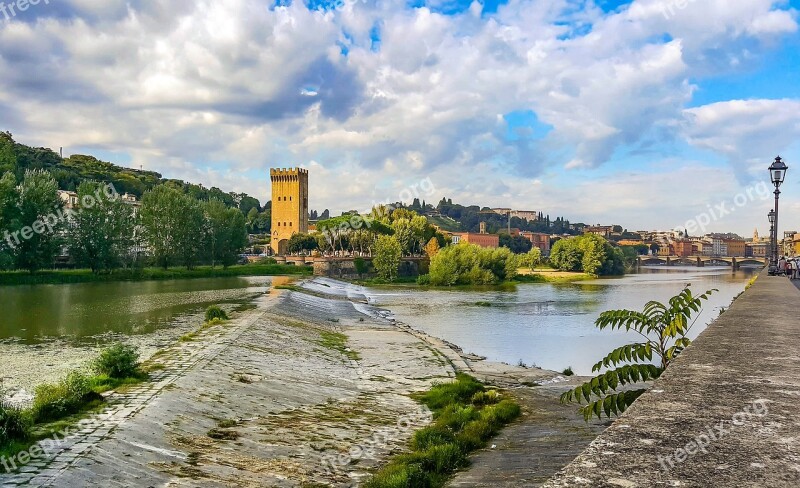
289 205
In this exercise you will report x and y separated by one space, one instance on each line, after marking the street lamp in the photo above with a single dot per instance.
771 217
777 173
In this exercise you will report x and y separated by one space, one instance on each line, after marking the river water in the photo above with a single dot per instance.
48 330
549 325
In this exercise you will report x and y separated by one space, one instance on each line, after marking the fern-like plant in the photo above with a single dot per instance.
664 329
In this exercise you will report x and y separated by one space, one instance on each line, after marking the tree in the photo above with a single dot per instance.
302 242
173 225
388 253
531 259
40 221
468 264
566 256
432 247
589 253
9 219
8 158
101 232
227 232
517 244
664 329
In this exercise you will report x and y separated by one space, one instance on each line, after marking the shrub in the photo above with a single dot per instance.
568 371
430 436
459 391
489 397
361 266
399 476
455 417
424 279
118 361
15 425
53 402
214 312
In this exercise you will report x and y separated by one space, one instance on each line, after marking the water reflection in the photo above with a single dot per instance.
553 325
34 313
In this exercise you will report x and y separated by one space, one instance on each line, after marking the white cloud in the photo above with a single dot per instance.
184 85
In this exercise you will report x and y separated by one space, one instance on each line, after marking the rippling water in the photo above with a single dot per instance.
34 313
549 325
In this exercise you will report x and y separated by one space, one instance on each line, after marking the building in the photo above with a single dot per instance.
289 206
600 230
796 242
478 238
529 215
540 240
483 240
683 248
788 243
70 198
736 247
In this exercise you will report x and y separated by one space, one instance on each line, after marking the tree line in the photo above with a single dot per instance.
102 232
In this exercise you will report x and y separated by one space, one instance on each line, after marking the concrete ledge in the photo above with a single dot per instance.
735 390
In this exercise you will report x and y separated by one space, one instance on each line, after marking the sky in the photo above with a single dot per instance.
650 114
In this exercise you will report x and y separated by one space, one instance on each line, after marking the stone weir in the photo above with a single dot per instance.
725 414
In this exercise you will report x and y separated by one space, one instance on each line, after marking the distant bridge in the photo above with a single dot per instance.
700 261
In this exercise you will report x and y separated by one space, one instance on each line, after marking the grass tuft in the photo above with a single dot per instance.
466 415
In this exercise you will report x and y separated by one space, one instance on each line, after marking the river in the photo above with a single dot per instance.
48 330
552 326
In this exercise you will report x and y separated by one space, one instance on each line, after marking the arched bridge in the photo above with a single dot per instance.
700 261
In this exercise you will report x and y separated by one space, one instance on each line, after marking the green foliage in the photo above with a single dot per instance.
361 266
465 417
588 253
118 361
8 158
468 264
15 424
171 222
664 328
38 203
568 371
70 396
226 232
388 253
518 244
531 259
302 242
9 217
215 312
102 230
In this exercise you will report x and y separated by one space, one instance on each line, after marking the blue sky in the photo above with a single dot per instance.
640 113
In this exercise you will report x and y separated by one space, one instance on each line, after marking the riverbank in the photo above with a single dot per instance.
525 275
309 389
10 278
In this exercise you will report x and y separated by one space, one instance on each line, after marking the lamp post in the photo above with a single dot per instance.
772 266
777 173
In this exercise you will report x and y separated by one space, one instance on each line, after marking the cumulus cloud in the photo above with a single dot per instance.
219 90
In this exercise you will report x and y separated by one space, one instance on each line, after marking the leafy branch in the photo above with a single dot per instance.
664 328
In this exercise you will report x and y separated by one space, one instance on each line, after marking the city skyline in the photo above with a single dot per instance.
642 113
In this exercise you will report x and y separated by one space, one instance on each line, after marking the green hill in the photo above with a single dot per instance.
69 172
